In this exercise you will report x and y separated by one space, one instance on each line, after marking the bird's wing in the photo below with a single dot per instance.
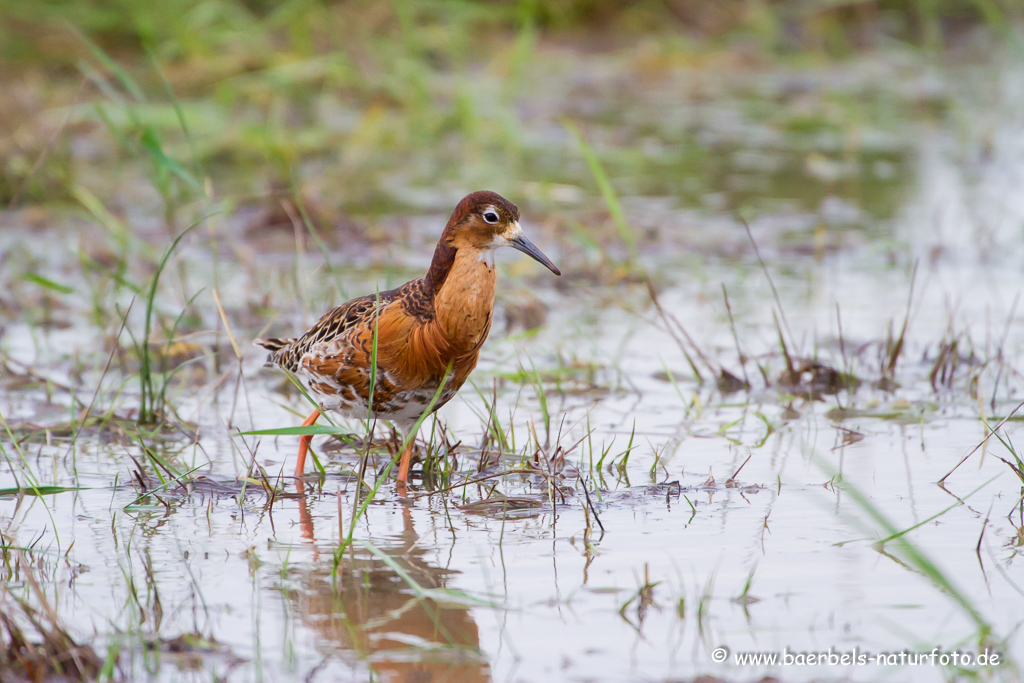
330 330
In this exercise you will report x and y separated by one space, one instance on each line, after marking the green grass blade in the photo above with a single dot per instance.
311 430
163 486
49 284
440 595
151 143
611 199
373 357
39 490
146 408
915 557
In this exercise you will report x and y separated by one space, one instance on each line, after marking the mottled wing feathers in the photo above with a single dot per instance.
288 353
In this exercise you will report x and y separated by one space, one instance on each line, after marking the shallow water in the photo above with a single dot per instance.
513 578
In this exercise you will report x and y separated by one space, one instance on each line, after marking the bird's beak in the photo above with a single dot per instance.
520 243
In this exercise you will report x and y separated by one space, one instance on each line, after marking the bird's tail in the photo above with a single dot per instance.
274 345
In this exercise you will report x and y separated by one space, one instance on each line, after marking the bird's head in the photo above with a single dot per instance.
485 221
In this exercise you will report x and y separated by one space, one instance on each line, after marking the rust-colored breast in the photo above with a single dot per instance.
464 306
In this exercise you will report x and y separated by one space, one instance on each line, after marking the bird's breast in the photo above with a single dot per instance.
464 306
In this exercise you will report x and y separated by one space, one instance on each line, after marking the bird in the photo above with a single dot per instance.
427 332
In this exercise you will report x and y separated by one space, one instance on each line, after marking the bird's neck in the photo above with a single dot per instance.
441 264
464 299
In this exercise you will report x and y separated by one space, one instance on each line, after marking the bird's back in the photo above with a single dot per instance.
334 328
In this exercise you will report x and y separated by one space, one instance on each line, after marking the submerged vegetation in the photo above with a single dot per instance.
776 393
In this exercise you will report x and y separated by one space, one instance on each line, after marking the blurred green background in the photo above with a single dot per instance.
371 105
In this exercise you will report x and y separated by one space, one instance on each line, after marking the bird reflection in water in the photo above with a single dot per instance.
372 613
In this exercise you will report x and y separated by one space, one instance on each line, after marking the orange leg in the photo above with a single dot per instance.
300 464
405 463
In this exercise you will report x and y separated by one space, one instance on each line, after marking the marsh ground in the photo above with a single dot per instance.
684 443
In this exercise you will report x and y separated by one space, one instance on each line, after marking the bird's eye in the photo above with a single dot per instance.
491 217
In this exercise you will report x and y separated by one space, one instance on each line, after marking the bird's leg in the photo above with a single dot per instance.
405 463
300 464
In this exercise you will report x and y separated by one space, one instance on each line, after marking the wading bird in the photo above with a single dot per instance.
428 330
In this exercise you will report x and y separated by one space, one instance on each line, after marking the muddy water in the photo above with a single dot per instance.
519 578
